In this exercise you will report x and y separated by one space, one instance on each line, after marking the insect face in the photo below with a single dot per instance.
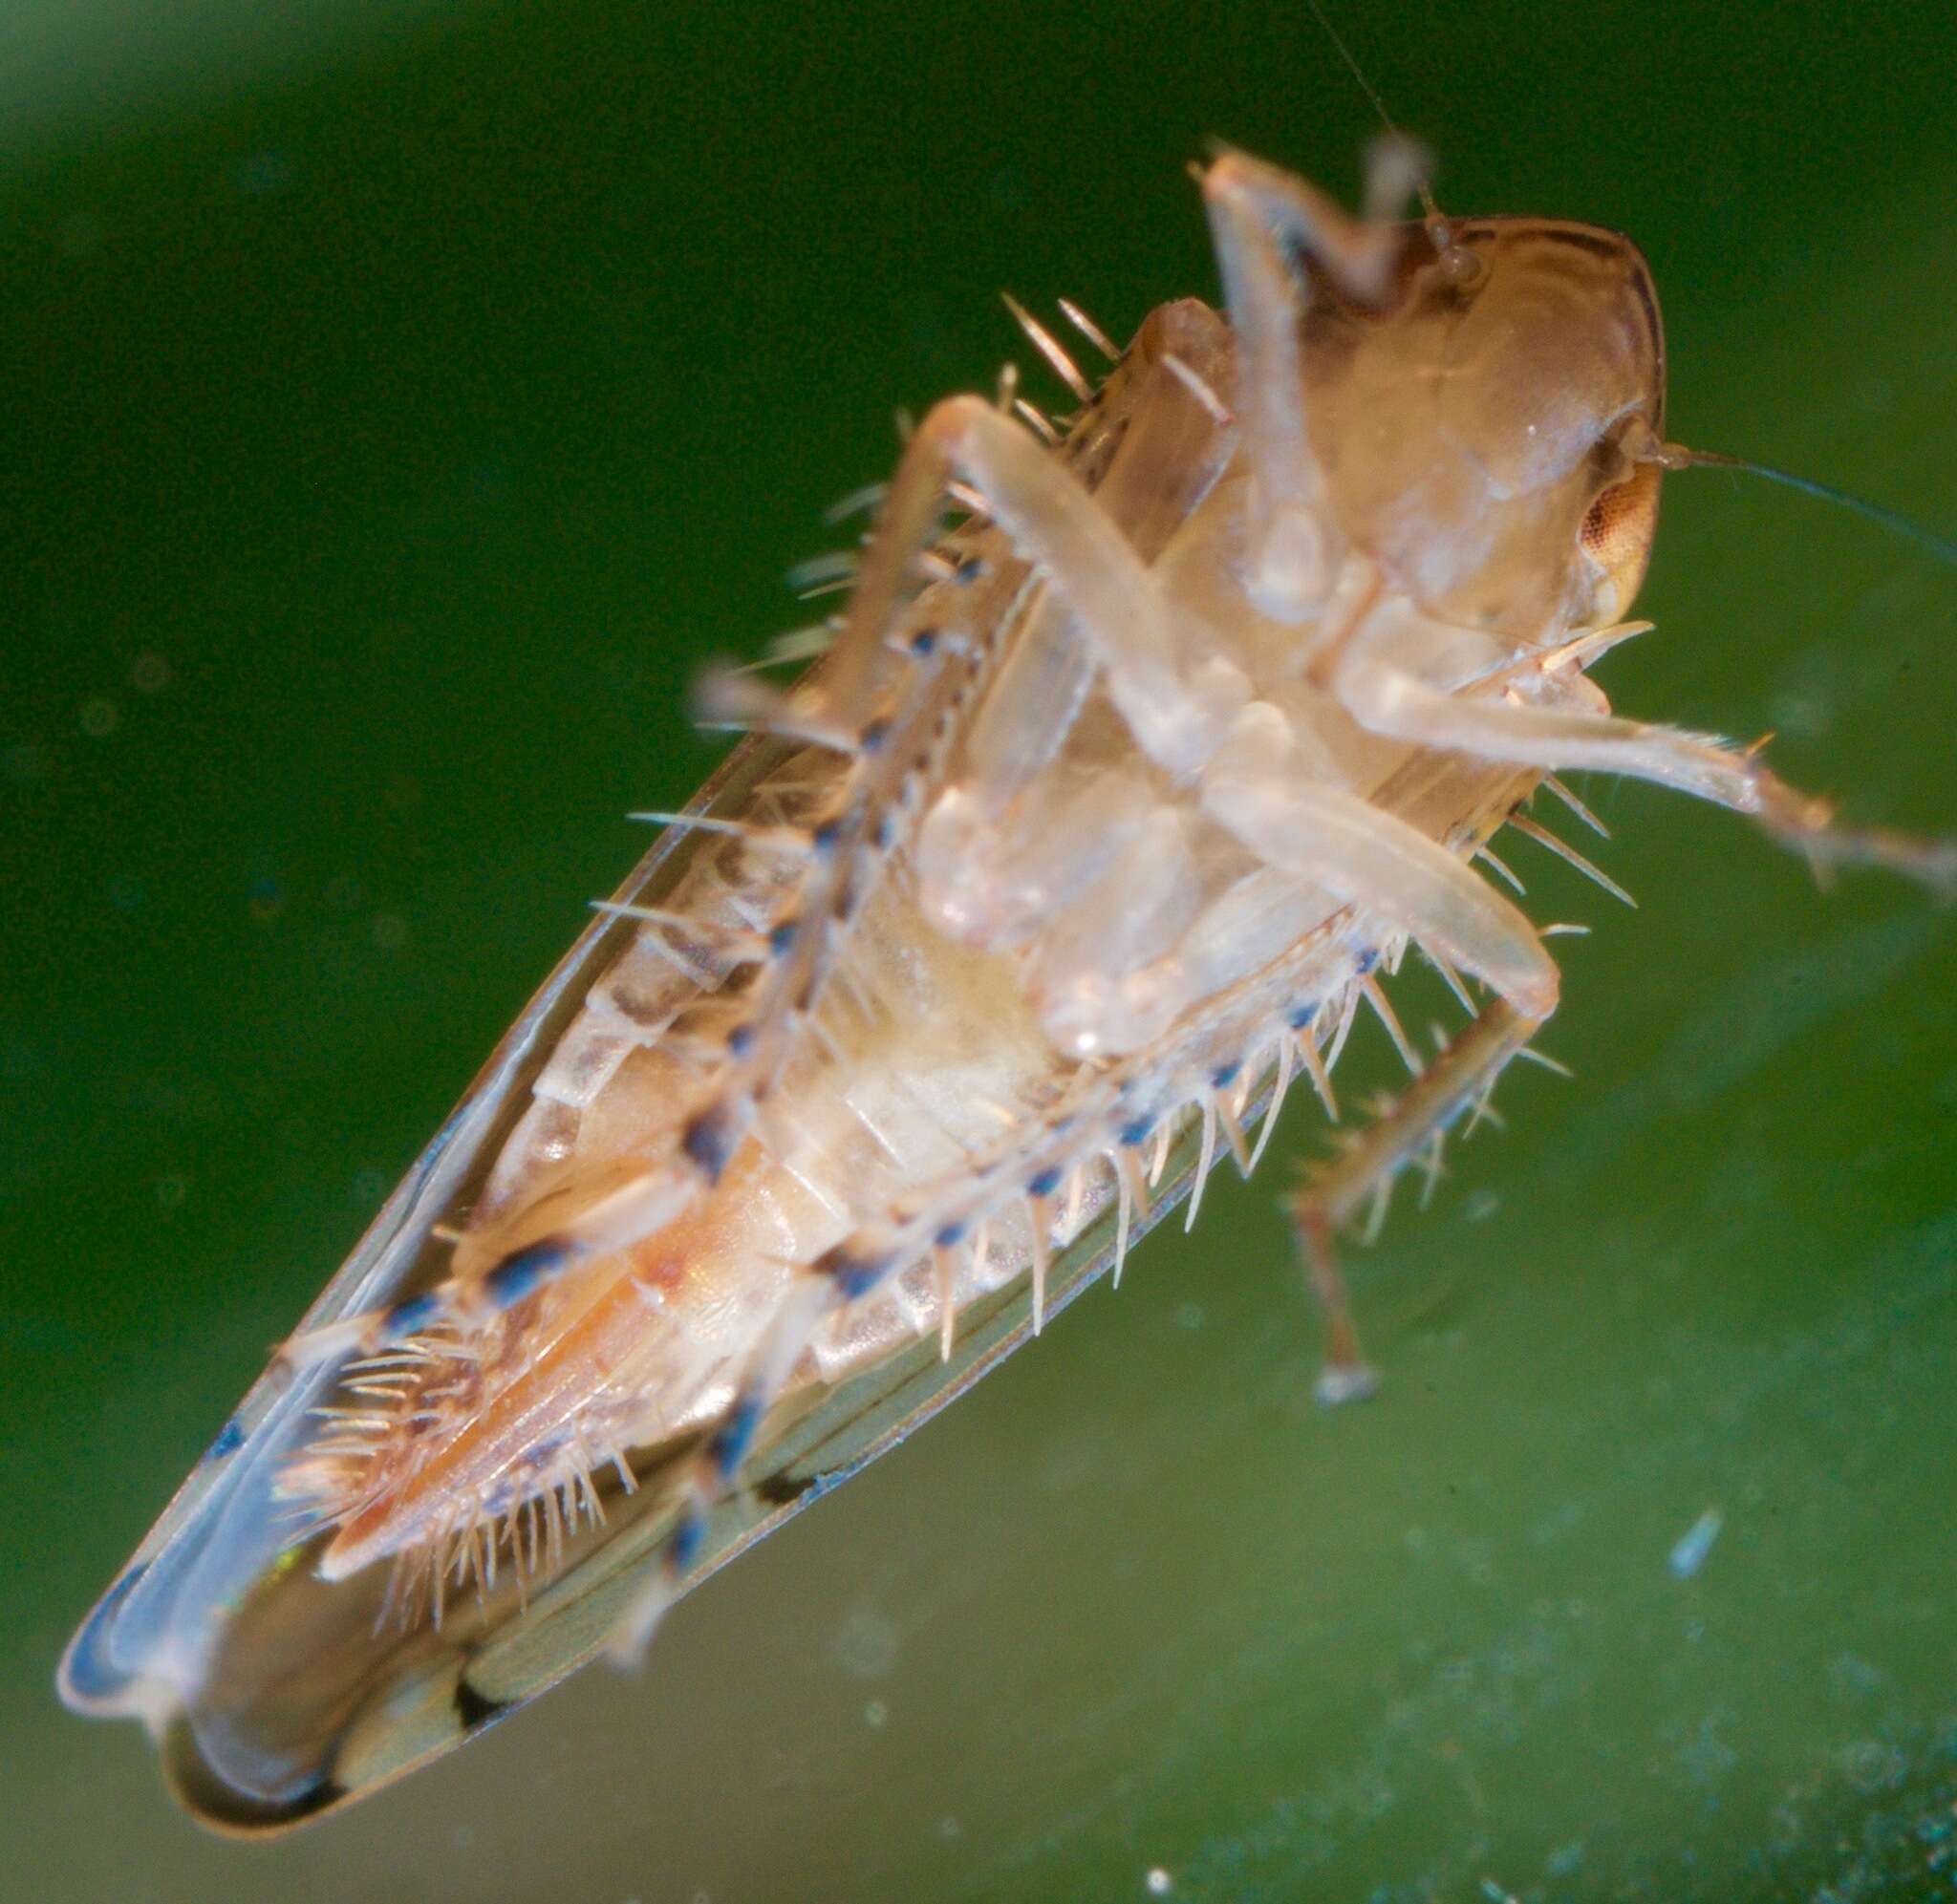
1486 430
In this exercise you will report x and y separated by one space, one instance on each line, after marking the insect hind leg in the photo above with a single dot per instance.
1051 522
641 1198
838 1277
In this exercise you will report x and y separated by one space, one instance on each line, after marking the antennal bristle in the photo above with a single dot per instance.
1940 548
1422 183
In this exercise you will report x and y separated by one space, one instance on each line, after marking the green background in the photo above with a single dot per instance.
398 403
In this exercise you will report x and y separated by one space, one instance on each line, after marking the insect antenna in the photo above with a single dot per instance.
1422 183
1940 548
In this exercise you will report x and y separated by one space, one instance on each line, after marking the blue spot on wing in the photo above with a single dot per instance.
230 1438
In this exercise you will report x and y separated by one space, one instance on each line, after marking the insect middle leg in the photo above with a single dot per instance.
1393 702
1264 790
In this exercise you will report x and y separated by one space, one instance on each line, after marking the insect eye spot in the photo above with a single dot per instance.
1615 510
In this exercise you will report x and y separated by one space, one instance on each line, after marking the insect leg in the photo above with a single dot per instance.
1120 613
1054 523
1363 1171
629 1201
836 1278
1392 701
1258 216
896 746
1262 791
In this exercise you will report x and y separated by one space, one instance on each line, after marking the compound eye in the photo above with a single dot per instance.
1616 536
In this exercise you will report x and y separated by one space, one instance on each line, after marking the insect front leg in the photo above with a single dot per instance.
1393 702
1258 215
1364 1170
